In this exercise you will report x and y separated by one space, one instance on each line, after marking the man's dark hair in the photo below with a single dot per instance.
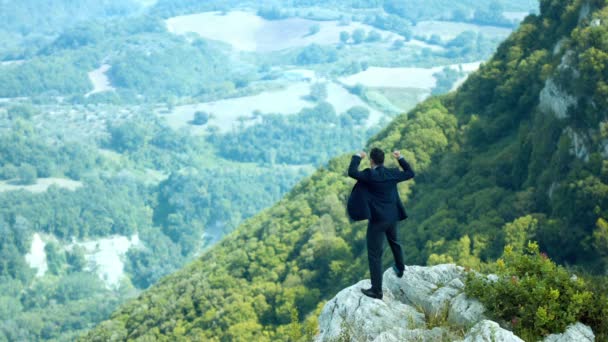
377 155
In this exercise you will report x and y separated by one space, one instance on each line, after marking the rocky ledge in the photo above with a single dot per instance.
426 304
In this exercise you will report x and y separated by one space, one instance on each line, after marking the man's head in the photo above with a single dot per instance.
376 156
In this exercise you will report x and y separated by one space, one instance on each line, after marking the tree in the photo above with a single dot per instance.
344 20
314 29
373 36
318 92
272 156
316 54
460 14
519 232
344 37
435 39
493 15
272 13
27 174
398 44
358 36
9 171
200 118
359 114
127 136
76 259
25 111
242 81
55 257
464 39
352 68
21 232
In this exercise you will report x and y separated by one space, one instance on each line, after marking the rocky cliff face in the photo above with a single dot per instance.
426 304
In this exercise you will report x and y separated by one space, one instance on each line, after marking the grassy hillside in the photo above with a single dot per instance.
494 164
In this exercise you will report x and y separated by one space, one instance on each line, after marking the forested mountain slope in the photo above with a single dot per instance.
517 153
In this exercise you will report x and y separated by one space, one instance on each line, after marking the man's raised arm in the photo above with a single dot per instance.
353 168
407 172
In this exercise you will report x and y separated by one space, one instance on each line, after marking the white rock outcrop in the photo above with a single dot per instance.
426 304
36 258
352 314
487 331
554 100
422 297
579 144
576 332
464 311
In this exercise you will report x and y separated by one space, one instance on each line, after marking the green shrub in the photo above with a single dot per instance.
535 297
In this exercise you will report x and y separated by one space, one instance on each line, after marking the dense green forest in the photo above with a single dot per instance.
117 198
288 139
494 168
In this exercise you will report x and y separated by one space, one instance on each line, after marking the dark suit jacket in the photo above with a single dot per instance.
357 206
375 196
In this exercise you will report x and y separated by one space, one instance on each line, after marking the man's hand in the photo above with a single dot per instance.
363 154
397 154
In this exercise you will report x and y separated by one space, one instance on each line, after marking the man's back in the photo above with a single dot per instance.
381 184
384 199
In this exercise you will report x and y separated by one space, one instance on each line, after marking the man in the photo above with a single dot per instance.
378 201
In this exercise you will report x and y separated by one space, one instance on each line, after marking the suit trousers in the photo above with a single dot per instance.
376 231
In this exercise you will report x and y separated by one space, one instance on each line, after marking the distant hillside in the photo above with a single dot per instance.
51 16
414 9
518 152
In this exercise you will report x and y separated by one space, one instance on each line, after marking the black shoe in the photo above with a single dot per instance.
398 272
371 293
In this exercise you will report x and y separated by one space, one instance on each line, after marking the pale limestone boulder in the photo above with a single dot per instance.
421 335
576 332
465 312
435 290
488 331
352 314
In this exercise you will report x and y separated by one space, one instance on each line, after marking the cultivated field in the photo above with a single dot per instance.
104 256
250 32
420 78
291 100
